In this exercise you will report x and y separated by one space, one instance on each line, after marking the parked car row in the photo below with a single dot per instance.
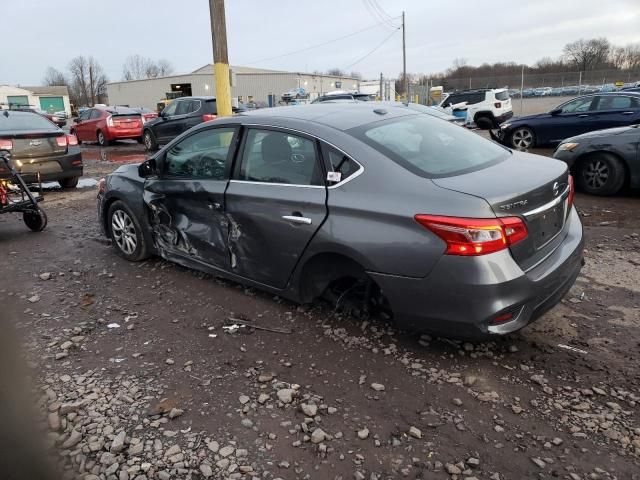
598 159
568 90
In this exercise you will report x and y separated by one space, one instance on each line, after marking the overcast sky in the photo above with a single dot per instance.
41 33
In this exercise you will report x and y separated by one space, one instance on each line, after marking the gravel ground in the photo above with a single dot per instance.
135 378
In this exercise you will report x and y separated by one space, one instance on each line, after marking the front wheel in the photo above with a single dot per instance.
601 174
523 138
35 219
126 232
149 141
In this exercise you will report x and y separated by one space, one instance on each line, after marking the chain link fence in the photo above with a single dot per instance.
537 84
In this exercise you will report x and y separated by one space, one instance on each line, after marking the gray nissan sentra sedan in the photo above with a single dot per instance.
452 233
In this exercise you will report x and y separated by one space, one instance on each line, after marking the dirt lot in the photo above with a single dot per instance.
138 380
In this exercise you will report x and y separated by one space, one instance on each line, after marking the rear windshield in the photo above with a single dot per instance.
23 121
429 147
502 95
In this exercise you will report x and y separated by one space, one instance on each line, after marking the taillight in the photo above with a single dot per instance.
102 185
208 117
109 121
572 190
497 104
475 236
62 141
6 144
72 140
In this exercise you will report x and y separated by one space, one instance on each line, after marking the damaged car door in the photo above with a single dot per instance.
186 199
275 203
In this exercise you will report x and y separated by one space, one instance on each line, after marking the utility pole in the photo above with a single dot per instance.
381 96
220 57
404 61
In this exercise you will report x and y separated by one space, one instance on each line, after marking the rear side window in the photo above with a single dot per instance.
502 95
16 122
617 102
279 157
194 106
95 113
429 147
338 163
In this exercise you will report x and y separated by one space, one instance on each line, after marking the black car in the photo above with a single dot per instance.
39 149
577 116
604 161
178 117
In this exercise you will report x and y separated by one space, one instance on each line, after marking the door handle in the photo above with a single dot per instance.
583 115
628 113
297 219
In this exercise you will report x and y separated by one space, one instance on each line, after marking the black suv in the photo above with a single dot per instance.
177 117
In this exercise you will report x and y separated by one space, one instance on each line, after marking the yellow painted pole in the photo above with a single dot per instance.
220 57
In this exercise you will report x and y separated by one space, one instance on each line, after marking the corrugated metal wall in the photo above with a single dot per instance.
147 93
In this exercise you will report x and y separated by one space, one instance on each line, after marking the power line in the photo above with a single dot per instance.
372 51
378 13
316 46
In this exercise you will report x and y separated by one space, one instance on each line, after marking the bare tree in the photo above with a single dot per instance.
627 57
54 77
165 67
587 54
137 67
336 72
88 80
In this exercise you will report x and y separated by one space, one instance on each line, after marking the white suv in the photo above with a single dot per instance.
487 108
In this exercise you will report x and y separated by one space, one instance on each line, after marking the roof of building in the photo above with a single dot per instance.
52 90
208 68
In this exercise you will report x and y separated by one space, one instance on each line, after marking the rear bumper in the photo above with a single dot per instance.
122 134
54 168
462 295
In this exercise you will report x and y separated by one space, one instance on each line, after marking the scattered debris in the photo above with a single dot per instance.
571 349
113 325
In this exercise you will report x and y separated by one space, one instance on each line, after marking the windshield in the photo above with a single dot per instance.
429 147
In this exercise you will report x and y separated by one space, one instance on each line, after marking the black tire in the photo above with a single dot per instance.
601 174
69 182
35 219
523 138
102 140
149 141
126 233
484 123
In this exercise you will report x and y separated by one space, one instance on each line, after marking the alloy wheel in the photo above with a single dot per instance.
124 232
101 138
147 141
522 138
596 174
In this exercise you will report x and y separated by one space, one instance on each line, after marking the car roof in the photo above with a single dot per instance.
479 90
341 116
116 109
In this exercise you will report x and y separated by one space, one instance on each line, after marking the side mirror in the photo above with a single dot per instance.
147 168
555 111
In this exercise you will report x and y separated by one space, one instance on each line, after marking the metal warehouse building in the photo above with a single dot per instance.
255 84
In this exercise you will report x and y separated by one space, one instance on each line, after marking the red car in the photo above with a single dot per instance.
147 114
107 124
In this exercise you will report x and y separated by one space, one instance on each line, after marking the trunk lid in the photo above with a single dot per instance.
532 187
127 122
28 145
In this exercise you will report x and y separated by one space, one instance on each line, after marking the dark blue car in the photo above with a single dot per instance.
579 115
